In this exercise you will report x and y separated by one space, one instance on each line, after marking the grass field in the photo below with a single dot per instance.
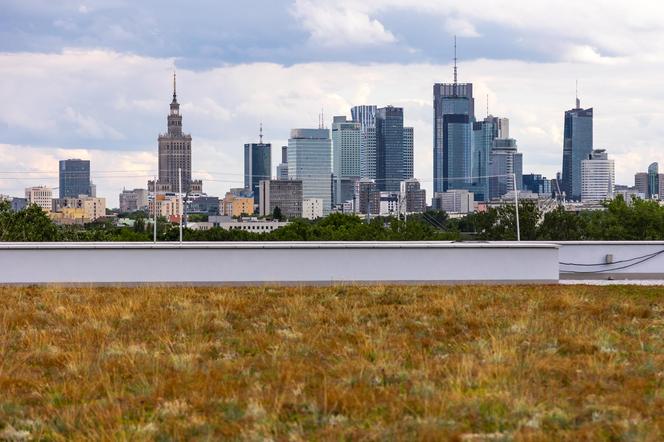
336 363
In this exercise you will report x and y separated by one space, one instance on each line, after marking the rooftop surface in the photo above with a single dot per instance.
375 362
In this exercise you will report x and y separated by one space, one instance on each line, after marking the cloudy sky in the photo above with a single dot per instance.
92 79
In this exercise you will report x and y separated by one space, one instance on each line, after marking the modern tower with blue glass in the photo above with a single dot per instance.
257 165
453 116
577 146
75 178
390 153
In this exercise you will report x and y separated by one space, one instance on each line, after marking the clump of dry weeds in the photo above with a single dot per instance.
430 363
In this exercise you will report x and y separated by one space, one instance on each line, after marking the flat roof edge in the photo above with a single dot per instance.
273 245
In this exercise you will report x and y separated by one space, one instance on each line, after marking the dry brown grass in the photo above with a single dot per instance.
339 363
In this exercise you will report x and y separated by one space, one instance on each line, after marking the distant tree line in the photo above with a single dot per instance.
640 220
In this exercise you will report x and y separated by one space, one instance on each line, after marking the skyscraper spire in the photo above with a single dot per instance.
455 60
261 134
174 88
578 100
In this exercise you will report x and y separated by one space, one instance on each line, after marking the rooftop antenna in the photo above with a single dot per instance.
261 133
578 101
455 60
174 89
487 105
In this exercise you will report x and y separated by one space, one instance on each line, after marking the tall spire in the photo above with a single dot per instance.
260 136
174 88
578 100
455 60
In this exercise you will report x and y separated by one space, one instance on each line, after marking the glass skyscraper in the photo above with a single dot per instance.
454 115
577 146
310 160
257 166
74 178
484 132
366 116
409 152
653 180
390 161
504 162
346 145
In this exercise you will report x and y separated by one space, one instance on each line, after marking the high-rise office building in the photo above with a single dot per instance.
390 161
74 178
453 116
505 167
597 177
175 154
366 116
408 153
257 165
282 168
346 145
577 146
310 160
484 135
641 183
454 113
653 181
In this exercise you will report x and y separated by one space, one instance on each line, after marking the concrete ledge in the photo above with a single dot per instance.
630 260
290 263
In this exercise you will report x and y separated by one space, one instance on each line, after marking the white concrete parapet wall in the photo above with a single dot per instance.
611 259
277 262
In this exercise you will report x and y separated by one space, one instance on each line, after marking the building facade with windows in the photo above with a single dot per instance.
577 146
346 145
133 200
74 178
257 165
310 161
366 116
597 177
284 194
175 155
454 114
41 196
390 153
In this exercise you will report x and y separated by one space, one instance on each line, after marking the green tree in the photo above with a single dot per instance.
30 224
561 225
276 214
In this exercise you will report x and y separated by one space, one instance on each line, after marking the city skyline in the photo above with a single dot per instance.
109 101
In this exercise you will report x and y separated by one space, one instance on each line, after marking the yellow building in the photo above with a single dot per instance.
233 205
70 215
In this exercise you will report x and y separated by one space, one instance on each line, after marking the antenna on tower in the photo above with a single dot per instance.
487 105
578 101
455 60
174 88
261 133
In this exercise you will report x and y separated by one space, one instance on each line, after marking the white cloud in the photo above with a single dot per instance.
591 27
88 127
334 25
461 27
102 94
